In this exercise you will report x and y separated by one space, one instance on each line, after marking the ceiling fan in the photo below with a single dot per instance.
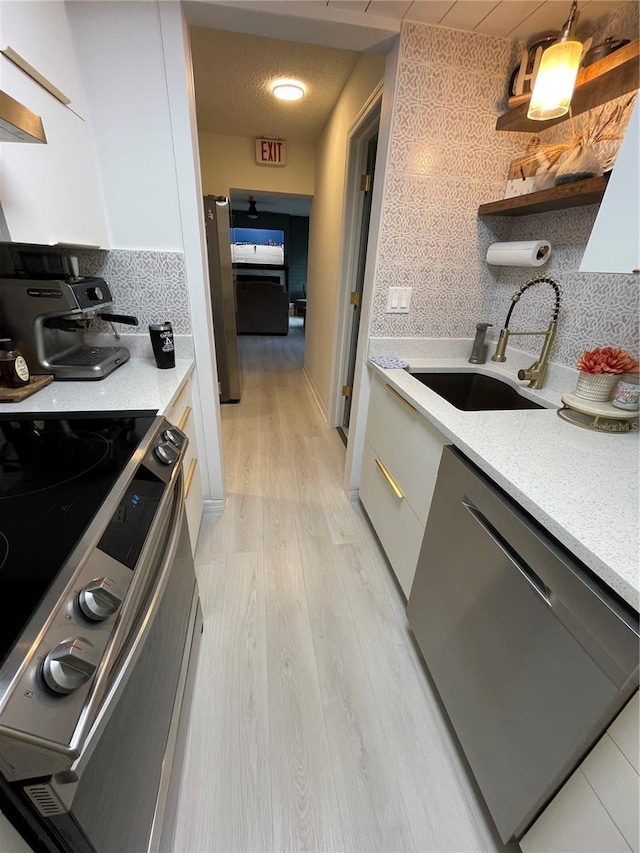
252 212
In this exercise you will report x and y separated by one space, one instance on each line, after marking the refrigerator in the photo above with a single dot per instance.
217 217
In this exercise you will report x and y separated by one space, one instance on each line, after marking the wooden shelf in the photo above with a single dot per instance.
577 194
598 83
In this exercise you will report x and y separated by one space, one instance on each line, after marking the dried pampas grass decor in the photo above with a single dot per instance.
601 129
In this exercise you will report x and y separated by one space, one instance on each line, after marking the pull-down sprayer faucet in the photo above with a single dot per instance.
537 372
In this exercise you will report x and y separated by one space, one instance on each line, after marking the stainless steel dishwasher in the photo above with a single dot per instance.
531 654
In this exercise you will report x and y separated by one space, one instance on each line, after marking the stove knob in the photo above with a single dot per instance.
70 665
173 437
95 294
100 599
166 453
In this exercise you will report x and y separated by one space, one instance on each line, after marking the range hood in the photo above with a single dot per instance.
18 123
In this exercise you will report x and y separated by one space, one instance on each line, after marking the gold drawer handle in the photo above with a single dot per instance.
390 480
189 478
400 397
23 65
185 417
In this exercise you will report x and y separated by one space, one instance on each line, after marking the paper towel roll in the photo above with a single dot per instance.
531 253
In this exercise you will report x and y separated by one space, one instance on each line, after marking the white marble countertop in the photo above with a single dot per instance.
582 486
136 386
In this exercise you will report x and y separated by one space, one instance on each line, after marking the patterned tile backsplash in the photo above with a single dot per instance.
150 285
445 159
597 309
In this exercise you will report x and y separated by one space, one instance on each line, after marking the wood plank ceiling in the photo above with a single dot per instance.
512 19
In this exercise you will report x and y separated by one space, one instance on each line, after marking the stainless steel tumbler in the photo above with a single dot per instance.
161 335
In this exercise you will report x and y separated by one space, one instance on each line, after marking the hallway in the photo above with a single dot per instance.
313 725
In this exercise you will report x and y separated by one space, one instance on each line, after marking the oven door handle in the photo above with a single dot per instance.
65 782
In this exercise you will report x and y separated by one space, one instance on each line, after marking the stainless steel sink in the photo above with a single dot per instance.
474 392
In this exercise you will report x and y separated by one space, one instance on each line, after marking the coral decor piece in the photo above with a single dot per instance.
606 360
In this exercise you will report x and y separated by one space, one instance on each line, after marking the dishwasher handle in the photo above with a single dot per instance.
514 558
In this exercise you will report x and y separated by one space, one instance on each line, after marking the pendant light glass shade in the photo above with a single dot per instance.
555 80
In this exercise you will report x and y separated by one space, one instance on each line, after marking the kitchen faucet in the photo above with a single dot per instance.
537 372
479 351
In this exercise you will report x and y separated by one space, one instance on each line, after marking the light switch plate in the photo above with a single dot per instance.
398 300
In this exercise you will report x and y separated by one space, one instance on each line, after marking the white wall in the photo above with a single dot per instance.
120 54
326 224
181 94
135 58
229 162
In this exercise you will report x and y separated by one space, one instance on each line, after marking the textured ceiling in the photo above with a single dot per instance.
232 74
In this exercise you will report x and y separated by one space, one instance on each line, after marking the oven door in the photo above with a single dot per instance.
118 795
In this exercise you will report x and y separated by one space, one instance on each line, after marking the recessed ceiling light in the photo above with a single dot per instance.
288 90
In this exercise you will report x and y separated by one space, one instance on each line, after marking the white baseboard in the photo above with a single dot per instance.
316 395
214 507
353 494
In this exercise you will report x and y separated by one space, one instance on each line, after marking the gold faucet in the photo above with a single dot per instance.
538 370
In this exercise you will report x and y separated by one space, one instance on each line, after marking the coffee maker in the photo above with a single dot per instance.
47 319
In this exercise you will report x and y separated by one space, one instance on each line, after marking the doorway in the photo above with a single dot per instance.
270 243
363 148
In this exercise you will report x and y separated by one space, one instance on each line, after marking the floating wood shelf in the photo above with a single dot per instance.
577 194
604 80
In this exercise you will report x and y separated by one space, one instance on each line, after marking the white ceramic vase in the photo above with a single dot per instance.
596 386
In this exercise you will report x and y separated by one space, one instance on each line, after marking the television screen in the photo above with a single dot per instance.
257 246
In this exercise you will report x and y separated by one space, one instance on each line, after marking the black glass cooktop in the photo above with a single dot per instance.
54 475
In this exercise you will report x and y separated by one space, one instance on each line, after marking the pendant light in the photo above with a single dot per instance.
252 213
556 78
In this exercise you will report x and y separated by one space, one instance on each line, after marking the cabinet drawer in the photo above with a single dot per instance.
180 413
177 410
625 732
575 820
597 809
408 444
617 786
193 499
191 468
398 528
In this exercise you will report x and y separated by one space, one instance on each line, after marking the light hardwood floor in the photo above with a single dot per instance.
314 725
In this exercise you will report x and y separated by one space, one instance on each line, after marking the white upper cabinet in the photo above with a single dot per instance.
39 32
49 193
614 244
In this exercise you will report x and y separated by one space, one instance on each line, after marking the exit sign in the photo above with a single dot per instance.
270 152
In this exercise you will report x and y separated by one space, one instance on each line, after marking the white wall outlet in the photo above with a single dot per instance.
398 300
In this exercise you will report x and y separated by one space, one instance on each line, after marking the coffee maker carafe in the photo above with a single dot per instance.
48 319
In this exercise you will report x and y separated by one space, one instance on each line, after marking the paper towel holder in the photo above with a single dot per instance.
528 253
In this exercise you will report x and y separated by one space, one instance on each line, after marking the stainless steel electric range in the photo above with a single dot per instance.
99 632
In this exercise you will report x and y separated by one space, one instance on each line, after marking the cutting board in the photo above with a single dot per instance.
16 395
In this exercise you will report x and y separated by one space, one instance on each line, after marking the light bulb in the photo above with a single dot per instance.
555 81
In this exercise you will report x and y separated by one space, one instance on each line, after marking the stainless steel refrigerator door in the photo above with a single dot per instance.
223 298
529 662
